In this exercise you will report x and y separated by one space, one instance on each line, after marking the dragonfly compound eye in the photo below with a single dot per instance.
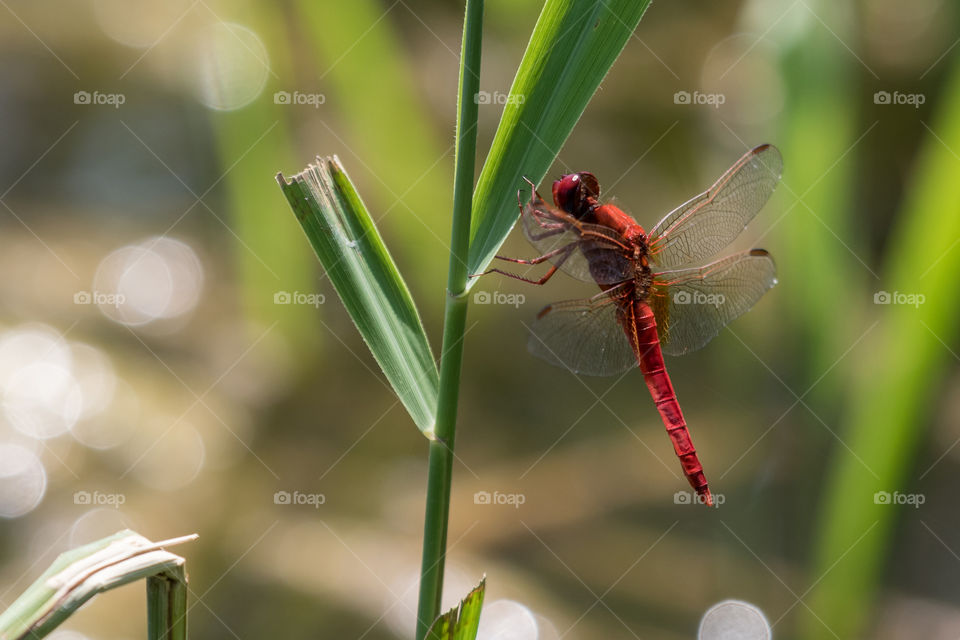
576 193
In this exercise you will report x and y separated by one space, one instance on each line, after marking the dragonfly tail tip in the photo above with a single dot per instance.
707 497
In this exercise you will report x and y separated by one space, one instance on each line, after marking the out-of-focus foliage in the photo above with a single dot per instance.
896 384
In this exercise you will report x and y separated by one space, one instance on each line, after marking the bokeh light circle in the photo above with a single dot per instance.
160 278
734 620
42 400
507 620
23 480
98 523
40 395
231 66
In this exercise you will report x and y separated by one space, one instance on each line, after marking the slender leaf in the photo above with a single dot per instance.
573 45
78 575
462 621
358 264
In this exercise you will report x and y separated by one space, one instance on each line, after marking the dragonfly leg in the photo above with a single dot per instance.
543 280
563 252
533 193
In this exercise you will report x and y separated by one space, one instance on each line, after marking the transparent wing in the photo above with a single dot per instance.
587 252
706 224
692 305
583 336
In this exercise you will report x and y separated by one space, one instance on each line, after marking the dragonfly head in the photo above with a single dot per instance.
576 193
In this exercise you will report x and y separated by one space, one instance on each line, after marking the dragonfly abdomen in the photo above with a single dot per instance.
646 343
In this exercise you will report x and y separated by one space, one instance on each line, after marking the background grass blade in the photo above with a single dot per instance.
573 45
362 65
78 575
820 140
462 621
895 382
251 143
366 278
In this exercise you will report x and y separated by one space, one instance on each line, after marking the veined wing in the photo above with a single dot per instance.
583 336
692 305
588 252
701 227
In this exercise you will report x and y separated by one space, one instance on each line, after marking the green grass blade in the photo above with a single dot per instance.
366 278
462 621
574 44
78 575
896 381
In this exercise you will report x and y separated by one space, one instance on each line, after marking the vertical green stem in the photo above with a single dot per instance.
454 324
167 605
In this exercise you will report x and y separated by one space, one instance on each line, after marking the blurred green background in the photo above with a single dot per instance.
172 359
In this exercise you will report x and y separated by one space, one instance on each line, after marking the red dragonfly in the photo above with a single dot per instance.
656 295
